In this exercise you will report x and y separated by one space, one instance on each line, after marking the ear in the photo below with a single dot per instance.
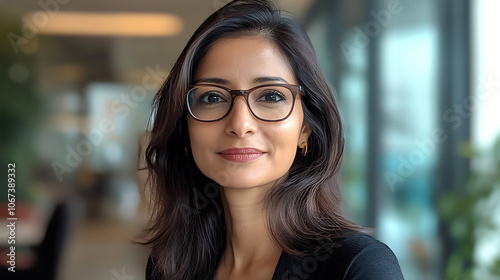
304 134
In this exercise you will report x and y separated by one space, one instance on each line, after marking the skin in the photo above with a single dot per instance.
250 253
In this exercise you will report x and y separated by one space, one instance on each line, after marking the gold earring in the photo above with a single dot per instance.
186 150
303 146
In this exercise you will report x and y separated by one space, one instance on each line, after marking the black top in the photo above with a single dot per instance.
360 257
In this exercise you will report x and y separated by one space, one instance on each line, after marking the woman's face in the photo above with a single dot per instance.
270 147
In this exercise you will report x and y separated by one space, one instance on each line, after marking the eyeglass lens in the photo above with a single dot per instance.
208 103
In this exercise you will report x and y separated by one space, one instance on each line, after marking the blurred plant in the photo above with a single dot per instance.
19 108
473 218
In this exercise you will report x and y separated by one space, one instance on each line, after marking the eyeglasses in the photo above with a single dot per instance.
271 103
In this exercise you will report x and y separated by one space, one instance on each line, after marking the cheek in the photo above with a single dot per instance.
199 139
285 137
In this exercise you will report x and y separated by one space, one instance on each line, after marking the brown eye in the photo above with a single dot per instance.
271 96
211 97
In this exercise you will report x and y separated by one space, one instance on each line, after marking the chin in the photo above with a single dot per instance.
241 183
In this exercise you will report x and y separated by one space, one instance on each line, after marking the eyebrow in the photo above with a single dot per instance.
219 81
257 80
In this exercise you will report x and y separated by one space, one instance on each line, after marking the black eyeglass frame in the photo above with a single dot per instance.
294 89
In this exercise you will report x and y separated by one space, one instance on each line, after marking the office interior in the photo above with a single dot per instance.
417 84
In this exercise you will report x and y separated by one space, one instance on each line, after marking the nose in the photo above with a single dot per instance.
240 121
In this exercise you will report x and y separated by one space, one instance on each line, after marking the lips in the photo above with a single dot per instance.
241 154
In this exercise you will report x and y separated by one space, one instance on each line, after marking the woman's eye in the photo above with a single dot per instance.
211 98
272 97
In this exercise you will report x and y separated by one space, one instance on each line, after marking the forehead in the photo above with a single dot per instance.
242 59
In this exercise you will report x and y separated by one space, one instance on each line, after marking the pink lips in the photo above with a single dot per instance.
241 154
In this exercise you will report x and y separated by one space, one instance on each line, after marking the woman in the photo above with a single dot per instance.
243 158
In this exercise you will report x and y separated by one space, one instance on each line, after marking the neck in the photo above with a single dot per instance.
248 240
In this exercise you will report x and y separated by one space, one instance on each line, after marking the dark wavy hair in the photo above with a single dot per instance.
187 233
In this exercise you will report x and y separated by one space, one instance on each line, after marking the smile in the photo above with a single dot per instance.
241 154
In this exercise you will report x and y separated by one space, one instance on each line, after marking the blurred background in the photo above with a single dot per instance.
418 85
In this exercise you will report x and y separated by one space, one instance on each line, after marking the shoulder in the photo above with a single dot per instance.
368 258
358 256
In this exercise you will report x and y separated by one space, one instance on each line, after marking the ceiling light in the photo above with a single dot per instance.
108 24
